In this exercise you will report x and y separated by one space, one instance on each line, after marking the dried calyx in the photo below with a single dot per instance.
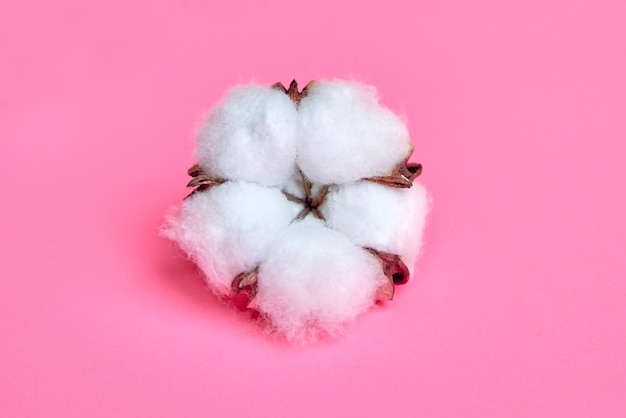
200 180
245 284
293 93
311 202
401 176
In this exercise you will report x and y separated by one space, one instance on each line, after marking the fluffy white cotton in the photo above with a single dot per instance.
384 218
345 135
283 161
228 229
315 278
251 136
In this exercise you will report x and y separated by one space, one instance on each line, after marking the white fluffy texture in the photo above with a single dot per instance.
312 275
384 218
251 136
228 229
345 135
316 277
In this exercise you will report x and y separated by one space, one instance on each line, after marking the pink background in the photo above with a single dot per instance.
517 110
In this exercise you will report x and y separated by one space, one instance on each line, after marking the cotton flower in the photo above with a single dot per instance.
304 203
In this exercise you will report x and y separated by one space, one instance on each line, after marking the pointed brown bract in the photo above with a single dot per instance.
293 198
320 197
244 289
401 176
306 185
204 180
200 180
293 93
412 170
310 202
195 170
395 271
279 86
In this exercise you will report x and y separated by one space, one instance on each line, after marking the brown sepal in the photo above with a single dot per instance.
201 181
310 202
293 93
401 176
395 271
245 284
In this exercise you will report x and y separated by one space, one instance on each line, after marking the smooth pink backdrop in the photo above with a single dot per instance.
518 113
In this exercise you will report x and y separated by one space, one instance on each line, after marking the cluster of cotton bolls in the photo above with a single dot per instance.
305 203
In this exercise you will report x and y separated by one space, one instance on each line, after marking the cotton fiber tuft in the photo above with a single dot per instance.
304 203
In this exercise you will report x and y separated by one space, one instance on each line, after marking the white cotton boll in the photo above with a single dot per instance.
287 207
251 136
345 135
383 218
227 229
315 278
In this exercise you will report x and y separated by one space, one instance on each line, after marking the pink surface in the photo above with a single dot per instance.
518 112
